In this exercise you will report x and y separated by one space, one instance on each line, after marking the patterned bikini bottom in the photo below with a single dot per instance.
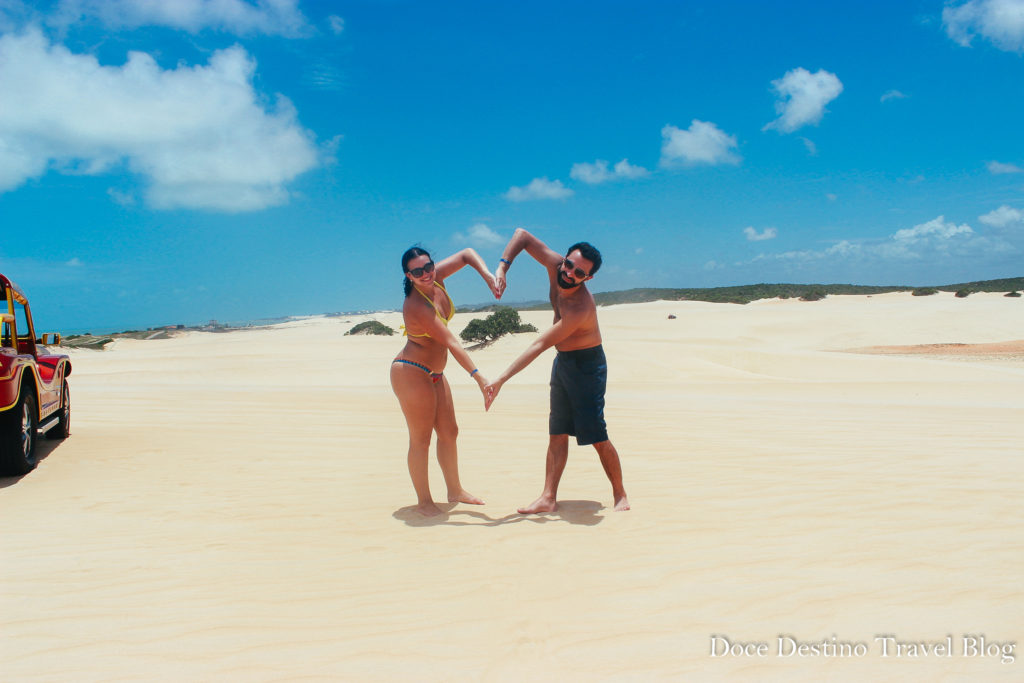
435 377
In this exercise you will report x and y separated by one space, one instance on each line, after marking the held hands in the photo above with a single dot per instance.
488 389
492 284
491 392
499 280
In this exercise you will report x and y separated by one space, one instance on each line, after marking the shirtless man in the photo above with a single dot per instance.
579 372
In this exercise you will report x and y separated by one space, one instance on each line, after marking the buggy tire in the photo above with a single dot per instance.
18 436
62 429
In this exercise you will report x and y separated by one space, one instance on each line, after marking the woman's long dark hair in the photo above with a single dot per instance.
409 255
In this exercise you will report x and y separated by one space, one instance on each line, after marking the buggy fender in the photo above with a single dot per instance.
12 376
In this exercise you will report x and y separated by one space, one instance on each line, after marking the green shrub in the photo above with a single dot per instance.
1014 294
813 295
371 327
476 330
962 293
86 341
503 321
925 291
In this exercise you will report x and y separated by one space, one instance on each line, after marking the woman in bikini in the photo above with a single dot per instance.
417 373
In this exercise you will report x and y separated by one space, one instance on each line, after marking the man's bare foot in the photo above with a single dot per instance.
465 496
542 504
429 509
621 504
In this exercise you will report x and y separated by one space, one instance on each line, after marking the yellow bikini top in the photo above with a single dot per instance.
451 305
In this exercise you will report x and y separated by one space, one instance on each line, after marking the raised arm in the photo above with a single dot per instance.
548 338
467 257
429 321
521 239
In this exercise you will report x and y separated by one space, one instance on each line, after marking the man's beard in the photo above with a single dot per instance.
563 283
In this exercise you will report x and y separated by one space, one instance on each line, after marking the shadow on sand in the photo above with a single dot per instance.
582 512
43 449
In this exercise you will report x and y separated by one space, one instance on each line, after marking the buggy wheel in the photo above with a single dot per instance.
18 437
62 429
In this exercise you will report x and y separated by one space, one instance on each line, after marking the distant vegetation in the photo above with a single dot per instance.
503 321
371 327
86 341
91 341
743 294
962 293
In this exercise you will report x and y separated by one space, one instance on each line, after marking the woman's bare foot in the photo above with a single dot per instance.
464 496
542 504
429 509
621 504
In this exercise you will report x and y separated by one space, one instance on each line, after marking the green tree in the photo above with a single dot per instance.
503 321
371 327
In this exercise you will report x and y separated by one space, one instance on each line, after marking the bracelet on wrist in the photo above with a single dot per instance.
505 261
475 370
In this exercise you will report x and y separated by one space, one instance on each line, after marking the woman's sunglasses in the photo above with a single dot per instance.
427 268
578 272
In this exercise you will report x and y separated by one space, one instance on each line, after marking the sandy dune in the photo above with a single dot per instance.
235 507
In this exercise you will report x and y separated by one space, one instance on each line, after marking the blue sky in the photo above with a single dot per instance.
175 162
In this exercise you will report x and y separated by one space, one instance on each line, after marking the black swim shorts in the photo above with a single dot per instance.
578 380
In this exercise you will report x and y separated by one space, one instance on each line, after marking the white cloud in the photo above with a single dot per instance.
701 143
802 97
200 136
337 24
74 262
997 167
842 248
892 95
598 172
935 240
593 174
122 198
321 74
1003 217
624 169
270 17
539 188
1000 21
831 196
812 148
479 235
937 230
755 236
329 150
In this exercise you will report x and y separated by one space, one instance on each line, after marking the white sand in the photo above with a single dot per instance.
234 507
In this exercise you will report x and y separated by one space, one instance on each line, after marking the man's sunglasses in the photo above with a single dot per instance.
578 272
418 272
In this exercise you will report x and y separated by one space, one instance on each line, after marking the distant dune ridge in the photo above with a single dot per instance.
740 294
237 506
744 294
